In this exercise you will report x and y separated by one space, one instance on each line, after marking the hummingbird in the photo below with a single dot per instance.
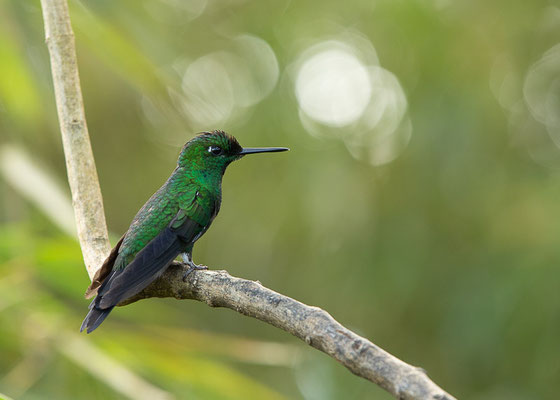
168 225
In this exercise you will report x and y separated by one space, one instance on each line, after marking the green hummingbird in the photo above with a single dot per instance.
169 224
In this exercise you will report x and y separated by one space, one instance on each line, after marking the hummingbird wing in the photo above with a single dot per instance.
189 223
103 272
150 262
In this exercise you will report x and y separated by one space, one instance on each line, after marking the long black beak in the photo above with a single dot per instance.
253 150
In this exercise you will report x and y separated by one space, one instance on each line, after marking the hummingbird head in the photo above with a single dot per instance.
215 151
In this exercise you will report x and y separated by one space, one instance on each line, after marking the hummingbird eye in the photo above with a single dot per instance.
216 150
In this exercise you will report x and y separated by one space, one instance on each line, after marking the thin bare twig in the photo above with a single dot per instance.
216 288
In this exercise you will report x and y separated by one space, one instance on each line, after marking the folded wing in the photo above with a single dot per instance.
149 263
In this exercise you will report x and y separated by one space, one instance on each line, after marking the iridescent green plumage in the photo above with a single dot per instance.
168 224
197 171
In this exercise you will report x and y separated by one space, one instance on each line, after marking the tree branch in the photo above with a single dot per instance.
215 288
313 325
80 164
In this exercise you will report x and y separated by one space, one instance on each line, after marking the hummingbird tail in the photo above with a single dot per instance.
94 318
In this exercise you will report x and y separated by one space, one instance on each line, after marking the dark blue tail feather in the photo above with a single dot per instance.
94 317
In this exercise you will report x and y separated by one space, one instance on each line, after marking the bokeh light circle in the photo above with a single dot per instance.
333 86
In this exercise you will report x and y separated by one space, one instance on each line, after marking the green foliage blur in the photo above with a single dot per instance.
441 246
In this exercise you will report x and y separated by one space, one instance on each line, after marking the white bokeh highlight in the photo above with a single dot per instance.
541 92
344 93
208 92
215 89
333 87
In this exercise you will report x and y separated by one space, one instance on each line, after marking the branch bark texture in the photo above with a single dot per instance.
216 288
313 325
80 164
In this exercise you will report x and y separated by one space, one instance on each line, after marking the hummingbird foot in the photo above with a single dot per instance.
192 266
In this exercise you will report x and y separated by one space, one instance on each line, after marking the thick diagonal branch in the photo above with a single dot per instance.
313 325
216 288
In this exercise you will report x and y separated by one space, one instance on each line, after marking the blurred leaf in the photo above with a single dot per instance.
116 51
18 93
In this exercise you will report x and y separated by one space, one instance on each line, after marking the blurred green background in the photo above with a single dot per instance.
419 204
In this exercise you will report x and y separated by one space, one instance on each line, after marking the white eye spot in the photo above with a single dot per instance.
216 150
